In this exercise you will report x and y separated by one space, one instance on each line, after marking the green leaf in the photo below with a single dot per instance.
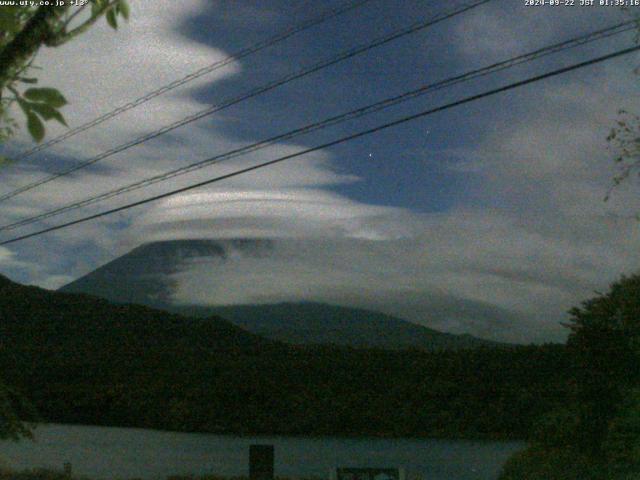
112 20
96 5
5 161
28 80
46 95
24 106
35 127
9 19
48 112
123 9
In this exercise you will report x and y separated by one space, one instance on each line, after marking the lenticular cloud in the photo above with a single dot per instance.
287 213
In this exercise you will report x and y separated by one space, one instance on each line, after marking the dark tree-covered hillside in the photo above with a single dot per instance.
83 360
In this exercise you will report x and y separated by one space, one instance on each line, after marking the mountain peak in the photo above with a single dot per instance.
146 276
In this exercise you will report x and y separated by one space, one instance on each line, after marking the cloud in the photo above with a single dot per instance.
467 271
110 69
283 213
5 255
107 68
528 237
495 31
538 240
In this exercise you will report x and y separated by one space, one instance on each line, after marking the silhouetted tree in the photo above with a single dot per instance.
13 409
597 436
605 341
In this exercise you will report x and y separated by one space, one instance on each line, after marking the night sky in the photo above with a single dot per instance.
486 219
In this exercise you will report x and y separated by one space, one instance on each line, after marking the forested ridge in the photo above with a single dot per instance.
82 360
596 436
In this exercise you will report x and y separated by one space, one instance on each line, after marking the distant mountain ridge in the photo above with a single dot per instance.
55 318
311 323
144 276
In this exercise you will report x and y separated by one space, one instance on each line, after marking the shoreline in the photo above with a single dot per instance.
312 436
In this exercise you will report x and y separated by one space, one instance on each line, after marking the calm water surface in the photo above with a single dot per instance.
125 453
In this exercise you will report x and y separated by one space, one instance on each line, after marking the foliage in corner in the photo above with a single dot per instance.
625 143
624 137
23 31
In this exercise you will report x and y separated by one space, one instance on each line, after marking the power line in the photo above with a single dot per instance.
493 68
261 45
604 33
363 133
415 27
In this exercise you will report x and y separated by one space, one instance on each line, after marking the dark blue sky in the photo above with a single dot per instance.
408 165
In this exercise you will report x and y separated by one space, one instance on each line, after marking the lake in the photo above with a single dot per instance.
102 452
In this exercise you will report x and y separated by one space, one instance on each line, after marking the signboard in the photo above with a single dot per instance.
369 474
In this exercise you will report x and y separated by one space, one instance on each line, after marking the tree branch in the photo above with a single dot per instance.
63 36
74 15
27 42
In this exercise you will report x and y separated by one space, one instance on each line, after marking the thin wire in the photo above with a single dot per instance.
324 16
250 94
363 133
496 67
